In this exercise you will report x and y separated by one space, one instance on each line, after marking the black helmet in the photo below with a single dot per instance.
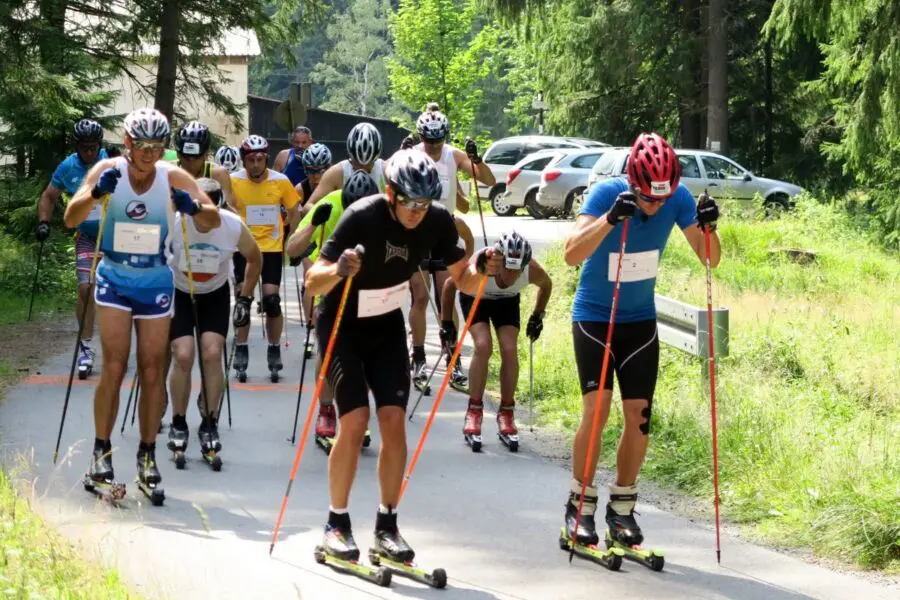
193 139
412 173
359 185
88 131
516 250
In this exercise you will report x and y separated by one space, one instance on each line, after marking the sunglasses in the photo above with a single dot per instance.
142 145
88 147
651 200
414 203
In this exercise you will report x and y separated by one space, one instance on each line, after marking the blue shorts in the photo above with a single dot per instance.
142 303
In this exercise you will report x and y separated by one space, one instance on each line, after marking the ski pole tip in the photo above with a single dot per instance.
718 557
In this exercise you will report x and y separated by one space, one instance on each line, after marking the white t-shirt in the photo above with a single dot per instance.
492 290
210 253
446 168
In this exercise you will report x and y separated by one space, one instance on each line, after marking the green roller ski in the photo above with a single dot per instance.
436 578
652 559
610 558
377 575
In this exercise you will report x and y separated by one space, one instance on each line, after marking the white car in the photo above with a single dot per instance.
522 182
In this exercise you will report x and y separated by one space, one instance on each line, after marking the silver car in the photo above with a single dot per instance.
522 183
563 183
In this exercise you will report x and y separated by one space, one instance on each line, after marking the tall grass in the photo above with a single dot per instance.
808 399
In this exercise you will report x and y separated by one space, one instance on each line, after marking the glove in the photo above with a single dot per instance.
109 178
535 326
350 262
43 231
707 212
321 214
623 208
489 265
448 333
240 317
408 142
472 151
184 203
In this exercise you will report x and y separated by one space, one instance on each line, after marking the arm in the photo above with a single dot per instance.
694 236
83 201
331 180
208 216
462 203
337 258
466 275
224 179
466 234
586 236
47 203
538 276
483 172
299 241
248 247
281 161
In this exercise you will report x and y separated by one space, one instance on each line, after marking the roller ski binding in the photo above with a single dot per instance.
273 357
624 534
339 551
420 377
241 360
391 551
506 427
210 445
325 428
148 478
100 478
585 543
472 426
85 361
178 443
458 380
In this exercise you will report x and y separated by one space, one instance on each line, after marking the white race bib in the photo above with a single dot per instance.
379 302
636 266
203 260
135 238
263 215
444 176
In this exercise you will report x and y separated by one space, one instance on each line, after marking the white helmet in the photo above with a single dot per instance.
432 125
317 156
364 144
516 250
228 158
254 143
147 124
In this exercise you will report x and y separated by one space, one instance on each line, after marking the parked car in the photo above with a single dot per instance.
701 170
522 183
563 183
504 153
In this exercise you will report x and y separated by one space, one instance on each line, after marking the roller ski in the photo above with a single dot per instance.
273 357
100 478
326 425
420 377
624 534
85 361
178 443
148 478
241 360
458 380
472 425
210 446
340 552
392 552
367 439
506 427
585 543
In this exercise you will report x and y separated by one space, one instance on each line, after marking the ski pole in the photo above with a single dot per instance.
135 389
103 205
531 385
425 387
262 312
712 384
315 399
287 339
191 289
478 202
437 314
37 270
225 362
444 383
595 421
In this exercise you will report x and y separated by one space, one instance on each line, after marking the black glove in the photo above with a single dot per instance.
623 208
321 214
43 231
472 151
482 258
535 326
448 333
707 212
408 142
240 317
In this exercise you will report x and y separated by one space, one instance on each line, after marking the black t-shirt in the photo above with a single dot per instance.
393 253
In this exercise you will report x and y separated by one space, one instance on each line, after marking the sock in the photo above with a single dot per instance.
241 344
590 497
622 507
145 447
179 421
475 401
101 444
274 345
386 519
86 341
419 353
339 518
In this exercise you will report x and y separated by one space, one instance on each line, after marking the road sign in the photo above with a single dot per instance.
290 114
539 104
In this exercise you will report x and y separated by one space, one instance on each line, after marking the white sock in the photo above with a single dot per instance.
385 510
622 507
338 511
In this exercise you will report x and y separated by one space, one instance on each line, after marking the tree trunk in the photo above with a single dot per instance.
769 150
167 67
51 47
717 119
690 110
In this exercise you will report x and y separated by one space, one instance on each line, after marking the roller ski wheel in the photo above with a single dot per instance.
652 559
213 460
436 578
177 444
420 377
325 443
273 376
242 376
180 460
154 493
84 372
506 428
107 489
340 552
472 426
210 446
149 479
610 558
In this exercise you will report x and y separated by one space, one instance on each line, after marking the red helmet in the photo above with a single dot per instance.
653 168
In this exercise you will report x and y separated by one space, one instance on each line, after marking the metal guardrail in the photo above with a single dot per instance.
685 327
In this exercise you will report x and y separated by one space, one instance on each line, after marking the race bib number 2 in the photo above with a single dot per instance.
133 238
636 266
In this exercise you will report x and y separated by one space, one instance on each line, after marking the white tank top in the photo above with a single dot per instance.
210 253
446 167
492 290
377 172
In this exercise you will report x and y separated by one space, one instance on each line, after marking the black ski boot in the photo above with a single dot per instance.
622 527
458 379
388 541
100 477
179 434
210 445
148 479
241 360
338 541
273 357
587 528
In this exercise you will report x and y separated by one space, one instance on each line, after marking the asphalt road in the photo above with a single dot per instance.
491 519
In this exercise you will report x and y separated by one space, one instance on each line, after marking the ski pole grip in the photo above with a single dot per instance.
361 250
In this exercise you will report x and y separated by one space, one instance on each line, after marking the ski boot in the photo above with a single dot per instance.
85 360
623 531
339 551
390 550
584 543
273 357
506 427
367 439
100 478
458 379
148 478
241 360
308 348
210 445
420 376
325 427
178 441
472 425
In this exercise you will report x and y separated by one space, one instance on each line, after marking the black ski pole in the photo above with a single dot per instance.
134 385
37 270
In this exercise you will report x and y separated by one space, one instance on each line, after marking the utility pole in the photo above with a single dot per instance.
539 105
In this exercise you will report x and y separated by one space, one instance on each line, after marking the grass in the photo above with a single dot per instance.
808 399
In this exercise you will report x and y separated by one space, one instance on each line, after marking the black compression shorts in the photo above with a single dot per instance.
502 312
213 312
271 267
369 354
634 357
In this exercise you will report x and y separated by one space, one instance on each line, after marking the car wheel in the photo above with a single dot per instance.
776 204
573 202
498 203
534 209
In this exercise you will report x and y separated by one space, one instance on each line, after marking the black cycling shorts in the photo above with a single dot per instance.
213 312
272 263
502 312
634 357
369 354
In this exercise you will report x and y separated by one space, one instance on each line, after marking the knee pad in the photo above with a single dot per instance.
272 305
645 426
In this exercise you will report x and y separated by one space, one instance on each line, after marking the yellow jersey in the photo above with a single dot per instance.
259 206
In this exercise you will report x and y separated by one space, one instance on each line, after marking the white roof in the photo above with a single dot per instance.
235 42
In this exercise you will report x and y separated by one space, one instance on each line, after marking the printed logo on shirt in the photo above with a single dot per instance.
392 251
136 210
163 300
